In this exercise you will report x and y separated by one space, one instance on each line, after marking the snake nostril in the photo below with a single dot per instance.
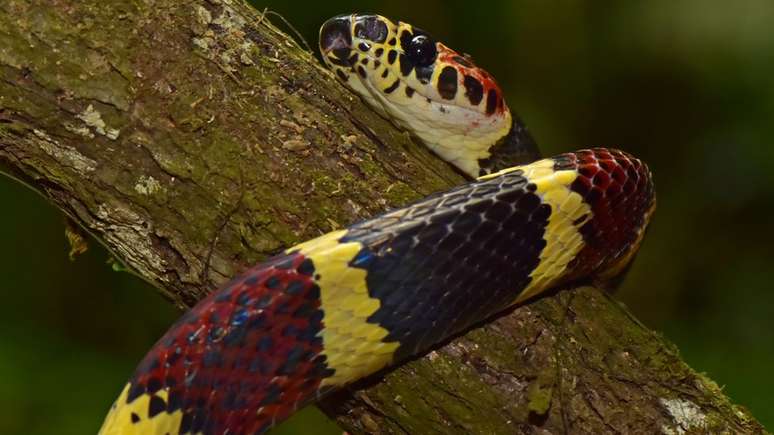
335 35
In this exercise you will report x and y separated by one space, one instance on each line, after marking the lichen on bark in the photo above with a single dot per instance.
194 139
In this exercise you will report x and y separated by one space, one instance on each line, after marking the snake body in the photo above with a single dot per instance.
334 309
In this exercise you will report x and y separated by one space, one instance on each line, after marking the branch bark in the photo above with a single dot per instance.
194 139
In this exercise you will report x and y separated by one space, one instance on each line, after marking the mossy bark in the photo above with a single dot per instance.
194 139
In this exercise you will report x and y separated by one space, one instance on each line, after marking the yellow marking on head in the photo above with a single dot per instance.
562 236
353 346
120 420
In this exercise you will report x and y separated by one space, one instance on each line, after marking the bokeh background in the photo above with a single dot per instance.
686 85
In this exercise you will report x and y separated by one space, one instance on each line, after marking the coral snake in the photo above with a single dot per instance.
339 307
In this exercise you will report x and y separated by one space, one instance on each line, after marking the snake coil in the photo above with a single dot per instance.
339 307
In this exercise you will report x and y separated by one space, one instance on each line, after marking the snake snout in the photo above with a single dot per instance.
336 36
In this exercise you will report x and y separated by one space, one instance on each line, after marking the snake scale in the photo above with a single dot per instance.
342 306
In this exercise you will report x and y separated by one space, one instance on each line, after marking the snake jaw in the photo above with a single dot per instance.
423 86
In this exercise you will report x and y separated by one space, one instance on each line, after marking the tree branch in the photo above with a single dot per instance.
194 139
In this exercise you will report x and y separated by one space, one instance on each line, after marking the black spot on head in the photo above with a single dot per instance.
385 73
447 83
377 64
473 90
391 56
409 91
379 52
392 41
392 87
135 418
491 101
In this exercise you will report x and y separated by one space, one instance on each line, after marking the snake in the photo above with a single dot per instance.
332 310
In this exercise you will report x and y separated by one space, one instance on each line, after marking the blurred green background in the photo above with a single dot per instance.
686 85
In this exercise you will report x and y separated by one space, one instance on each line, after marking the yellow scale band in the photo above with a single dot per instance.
353 347
568 213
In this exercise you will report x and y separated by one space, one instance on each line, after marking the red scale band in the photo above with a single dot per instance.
243 357
620 191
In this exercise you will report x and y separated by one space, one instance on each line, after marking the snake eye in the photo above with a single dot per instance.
421 51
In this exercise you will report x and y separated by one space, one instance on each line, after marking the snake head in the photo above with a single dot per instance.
425 87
